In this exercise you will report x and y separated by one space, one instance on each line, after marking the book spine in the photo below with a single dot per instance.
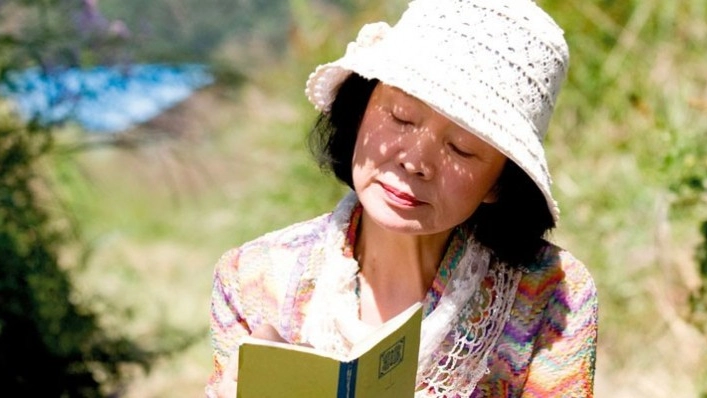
347 379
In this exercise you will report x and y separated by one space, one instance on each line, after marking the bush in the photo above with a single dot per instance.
51 344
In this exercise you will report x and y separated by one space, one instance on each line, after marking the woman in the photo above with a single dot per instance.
437 125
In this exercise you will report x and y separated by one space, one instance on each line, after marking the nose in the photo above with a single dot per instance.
420 170
418 156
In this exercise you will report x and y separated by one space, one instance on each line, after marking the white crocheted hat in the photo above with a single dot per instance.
494 67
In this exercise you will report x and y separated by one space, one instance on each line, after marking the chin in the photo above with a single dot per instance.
390 220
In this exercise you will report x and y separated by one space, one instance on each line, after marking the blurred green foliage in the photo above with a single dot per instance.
57 33
196 30
698 300
52 343
190 30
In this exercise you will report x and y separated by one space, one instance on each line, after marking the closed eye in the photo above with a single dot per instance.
460 152
400 120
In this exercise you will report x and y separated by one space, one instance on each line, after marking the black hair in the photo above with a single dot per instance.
333 138
513 227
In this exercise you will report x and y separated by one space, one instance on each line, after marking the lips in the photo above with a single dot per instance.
400 197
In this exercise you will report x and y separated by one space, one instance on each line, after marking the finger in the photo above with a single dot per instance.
229 379
267 332
227 389
231 370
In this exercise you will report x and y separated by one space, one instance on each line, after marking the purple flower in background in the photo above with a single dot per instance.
90 22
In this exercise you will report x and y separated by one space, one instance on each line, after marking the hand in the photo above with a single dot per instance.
227 387
229 380
267 332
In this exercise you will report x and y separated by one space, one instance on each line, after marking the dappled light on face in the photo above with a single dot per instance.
418 141
419 155
406 149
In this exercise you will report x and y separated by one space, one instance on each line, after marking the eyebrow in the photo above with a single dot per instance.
404 99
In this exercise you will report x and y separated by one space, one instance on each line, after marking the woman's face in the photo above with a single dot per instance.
417 172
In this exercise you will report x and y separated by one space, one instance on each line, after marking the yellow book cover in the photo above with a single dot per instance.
383 365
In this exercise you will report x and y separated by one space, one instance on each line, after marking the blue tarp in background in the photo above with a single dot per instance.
105 99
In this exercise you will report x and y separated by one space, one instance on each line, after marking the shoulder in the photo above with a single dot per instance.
291 237
283 242
554 307
561 288
258 277
266 263
556 325
557 283
556 268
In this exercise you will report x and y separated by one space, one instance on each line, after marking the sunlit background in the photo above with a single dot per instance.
139 140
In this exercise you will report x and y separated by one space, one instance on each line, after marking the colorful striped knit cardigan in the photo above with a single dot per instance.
546 349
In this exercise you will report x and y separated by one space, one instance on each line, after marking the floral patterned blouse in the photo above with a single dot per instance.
547 347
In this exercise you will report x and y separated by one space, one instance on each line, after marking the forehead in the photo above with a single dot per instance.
391 93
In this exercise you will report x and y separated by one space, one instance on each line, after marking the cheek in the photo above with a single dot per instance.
461 194
364 160
464 194
372 147
361 154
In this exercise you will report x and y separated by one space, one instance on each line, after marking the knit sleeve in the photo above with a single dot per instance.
564 356
228 324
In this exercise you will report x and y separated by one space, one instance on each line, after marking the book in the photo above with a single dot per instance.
382 365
